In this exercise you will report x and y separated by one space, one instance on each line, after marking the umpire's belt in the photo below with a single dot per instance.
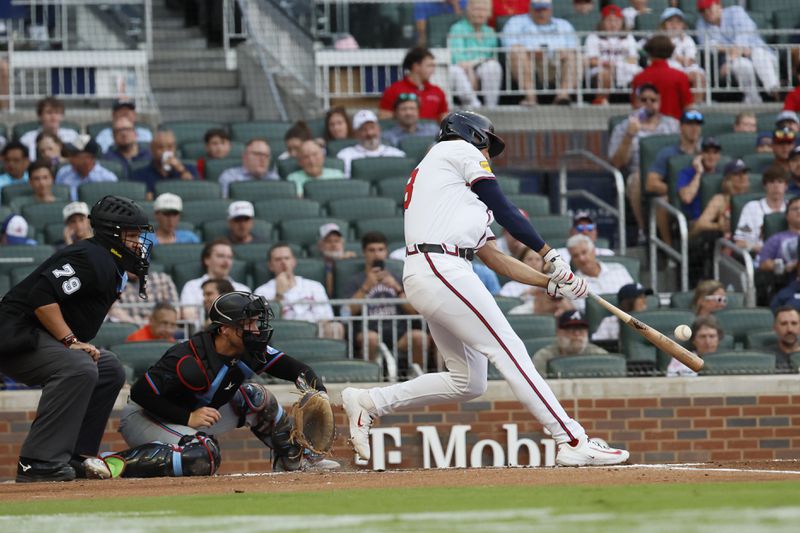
447 249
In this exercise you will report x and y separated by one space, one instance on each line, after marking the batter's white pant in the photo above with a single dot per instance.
490 75
761 63
468 328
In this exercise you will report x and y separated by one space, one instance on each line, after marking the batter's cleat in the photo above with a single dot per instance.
590 452
360 421
33 471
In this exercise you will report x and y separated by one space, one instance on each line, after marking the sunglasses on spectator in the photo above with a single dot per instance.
722 300
784 136
585 227
408 96
693 116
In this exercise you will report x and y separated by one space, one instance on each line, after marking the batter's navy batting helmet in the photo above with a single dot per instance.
237 307
473 128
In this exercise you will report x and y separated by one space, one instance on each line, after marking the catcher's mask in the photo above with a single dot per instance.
237 309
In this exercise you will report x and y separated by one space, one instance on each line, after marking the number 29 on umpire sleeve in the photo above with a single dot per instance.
409 189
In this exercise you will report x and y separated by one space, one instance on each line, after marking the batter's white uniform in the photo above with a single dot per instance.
464 319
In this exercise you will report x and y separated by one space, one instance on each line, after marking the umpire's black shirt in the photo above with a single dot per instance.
83 279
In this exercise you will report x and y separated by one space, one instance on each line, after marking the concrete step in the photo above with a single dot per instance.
190 97
188 64
167 23
185 43
178 54
219 114
163 79
176 34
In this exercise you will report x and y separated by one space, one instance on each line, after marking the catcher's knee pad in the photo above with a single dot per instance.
194 455
252 398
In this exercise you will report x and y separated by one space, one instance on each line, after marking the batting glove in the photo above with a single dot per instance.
560 272
573 290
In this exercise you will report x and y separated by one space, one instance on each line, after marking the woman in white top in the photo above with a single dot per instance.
684 58
705 339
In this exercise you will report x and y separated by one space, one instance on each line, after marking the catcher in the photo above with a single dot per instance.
198 390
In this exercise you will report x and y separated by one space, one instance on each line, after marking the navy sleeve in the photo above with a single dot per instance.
507 214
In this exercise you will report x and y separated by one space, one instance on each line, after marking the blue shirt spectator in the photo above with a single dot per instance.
735 28
789 295
83 166
256 160
8 179
521 30
138 161
487 277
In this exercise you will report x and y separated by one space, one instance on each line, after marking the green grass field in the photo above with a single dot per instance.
743 507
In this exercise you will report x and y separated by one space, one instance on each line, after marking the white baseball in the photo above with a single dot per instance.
683 332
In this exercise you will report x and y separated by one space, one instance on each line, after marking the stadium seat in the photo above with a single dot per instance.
738 362
291 330
218 229
252 253
111 333
632 264
345 269
183 272
199 211
139 356
19 273
394 189
174 254
18 190
786 19
534 204
437 28
317 126
40 215
262 190
5 284
311 349
738 202
21 128
335 146
738 144
194 150
587 22
305 231
758 163
587 366
416 146
282 209
739 322
551 227
710 185
534 344
307 267
507 303
683 300
635 347
795 359
379 168
649 148
530 326
348 371
360 209
510 184
289 165
647 21
391 227
774 223
215 167
759 340
92 192
190 130
265 129
719 124
189 190
324 191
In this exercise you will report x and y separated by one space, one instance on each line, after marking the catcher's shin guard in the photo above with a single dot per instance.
272 425
194 455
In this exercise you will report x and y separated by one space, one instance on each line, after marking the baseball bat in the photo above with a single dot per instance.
658 339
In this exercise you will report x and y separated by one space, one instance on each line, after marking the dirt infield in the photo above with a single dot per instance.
350 479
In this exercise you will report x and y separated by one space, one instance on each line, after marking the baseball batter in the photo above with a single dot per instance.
450 201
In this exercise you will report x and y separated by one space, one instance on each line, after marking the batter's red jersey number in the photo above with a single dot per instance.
409 189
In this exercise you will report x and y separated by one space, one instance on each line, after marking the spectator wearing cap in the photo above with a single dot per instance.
764 142
601 277
41 180
14 232
572 339
690 132
584 224
748 234
689 179
213 288
83 166
636 8
745 122
787 120
794 172
76 223
472 44
256 160
716 216
407 123
418 67
684 57
217 261
792 101
126 109
705 339
673 84
783 245
787 298
15 162
299 298
783 144
126 150
50 112
541 48
165 164
631 298
623 146
733 35
312 167
217 145
160 288
168 208
331 246
367 132
161 325
612 55
241 218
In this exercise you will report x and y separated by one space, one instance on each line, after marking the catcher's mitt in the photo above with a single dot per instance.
314 426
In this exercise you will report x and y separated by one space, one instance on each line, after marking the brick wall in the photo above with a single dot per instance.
758 419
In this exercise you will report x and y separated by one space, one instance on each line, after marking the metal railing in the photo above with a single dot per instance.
681 255
619 188
742 269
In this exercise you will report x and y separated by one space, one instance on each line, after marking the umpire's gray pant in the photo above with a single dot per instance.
77 398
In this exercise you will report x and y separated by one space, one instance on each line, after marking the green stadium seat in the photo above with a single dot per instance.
647 21
391 227
189 190
530 326
379 168
551 227
759 340
510 185
739 322
649 148
507 303
317 126
718 125
305 231
324 191
312 349
199 211
5 284
534 204
348 371
215 167
264 129
360 209
19 273
635 347
307 267
534 344
289 165
183 272
795 359
738 144
268 189
738 362
140 356
92 192
774 223
786 19
40 215
345 269
417 146
632 264
587 366
174 254
710 185
394 189
292 330
218 229
683 300
758 163
335 146
738 202
21 128
282 209
194 150
252 253
18 190
587 22
437 28
111 333
190 130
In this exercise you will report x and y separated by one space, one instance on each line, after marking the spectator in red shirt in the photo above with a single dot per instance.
161 325
418 66
792 102
673 85
506 8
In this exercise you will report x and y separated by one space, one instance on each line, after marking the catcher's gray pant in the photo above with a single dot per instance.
77 398
139 427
